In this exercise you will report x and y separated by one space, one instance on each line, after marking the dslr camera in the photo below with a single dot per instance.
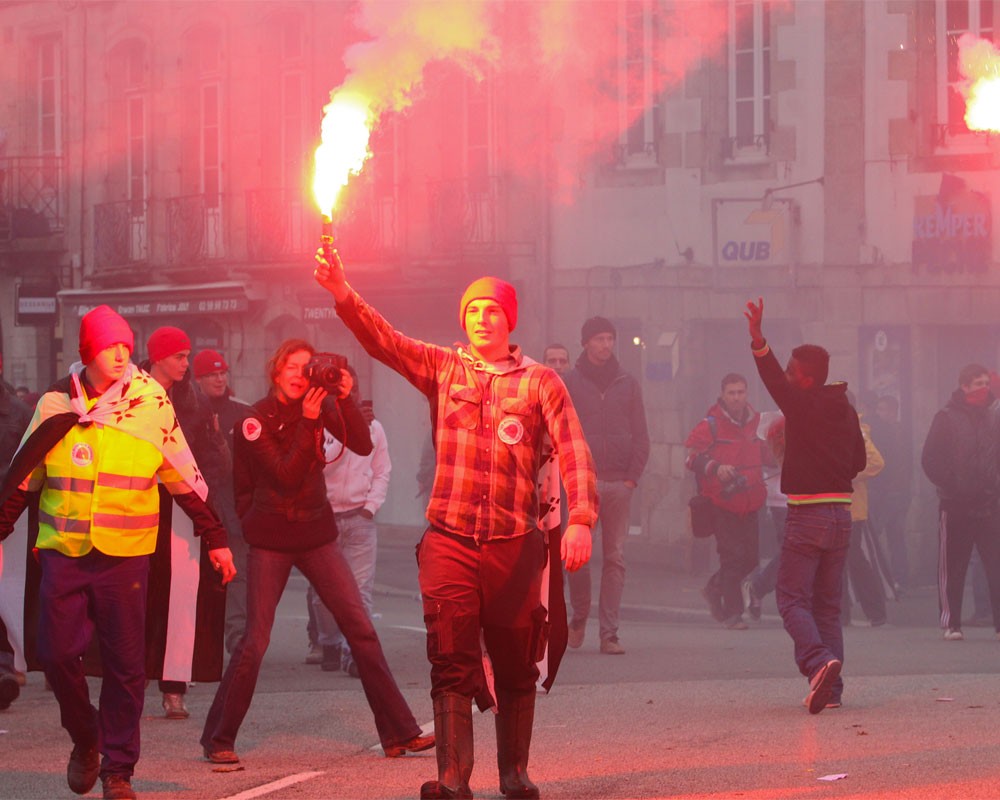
735 486
323 370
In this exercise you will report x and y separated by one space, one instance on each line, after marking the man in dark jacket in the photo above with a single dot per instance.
960 457
824 450
727 456
609 402
14 419
211 372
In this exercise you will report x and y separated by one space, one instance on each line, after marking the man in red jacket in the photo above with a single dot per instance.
726 456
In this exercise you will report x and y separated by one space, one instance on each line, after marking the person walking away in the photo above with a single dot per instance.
609 402
889 492
98 441
483 557
861 574
824 450
727 456
960 457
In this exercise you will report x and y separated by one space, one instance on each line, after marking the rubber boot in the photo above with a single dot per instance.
514 720
453 732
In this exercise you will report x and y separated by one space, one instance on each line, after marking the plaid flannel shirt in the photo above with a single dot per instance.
489 426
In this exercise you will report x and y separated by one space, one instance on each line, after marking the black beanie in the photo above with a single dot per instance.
594 326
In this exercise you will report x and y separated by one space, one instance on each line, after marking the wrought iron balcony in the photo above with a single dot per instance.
120 234
464 215
943 134
195 229
31 196
750 147
281 223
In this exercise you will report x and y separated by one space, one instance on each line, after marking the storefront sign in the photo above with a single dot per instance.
952 230
752 233
36 305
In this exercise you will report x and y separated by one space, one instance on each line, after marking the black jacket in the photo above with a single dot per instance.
613 418
278 471
824 446
960 455
14 419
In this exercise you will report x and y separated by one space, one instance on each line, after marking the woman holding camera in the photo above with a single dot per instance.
287 521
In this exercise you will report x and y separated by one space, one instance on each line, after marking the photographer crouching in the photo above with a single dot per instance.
287 521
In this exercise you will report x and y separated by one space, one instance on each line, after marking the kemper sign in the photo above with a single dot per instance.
751 233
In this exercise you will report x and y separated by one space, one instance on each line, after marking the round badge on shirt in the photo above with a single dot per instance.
252 429
510 430
82 454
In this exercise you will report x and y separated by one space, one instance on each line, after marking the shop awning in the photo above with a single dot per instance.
224 297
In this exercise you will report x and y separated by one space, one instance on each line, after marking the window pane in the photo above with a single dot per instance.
744 122
744 75
957 15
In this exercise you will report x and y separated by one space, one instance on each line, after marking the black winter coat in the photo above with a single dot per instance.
278 471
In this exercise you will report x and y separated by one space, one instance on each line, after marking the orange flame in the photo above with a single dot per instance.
347 123
979 63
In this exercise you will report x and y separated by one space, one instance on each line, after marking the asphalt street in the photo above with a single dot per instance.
692 710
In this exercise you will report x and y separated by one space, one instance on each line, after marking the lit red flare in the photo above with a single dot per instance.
979 63
347 123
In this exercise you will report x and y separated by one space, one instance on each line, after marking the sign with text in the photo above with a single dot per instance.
952 232
751 233
36 305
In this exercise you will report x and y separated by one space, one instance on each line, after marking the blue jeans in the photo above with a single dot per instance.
810 582
78 597
325 568
615 508
358 541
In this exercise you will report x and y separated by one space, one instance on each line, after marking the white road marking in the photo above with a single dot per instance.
273 786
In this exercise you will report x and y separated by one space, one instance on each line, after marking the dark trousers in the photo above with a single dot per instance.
810 580
736 541
887 518
958 533
325 568
106 595
864 579
494 587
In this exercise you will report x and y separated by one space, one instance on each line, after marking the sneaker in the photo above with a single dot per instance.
10 688
821 686
953 635
315 655
349 665
83 768
331 658
117 787
714 601
750 599
173 706
611 647
577 632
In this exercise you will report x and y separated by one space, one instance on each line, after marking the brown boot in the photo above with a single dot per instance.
455 756
514 720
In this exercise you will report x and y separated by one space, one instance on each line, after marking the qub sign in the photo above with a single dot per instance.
752 233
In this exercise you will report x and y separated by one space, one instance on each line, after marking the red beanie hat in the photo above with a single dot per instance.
165 342
101 328
207 362
495 289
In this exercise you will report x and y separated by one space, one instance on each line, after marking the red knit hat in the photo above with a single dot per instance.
165 342
207 362
101 328
495 289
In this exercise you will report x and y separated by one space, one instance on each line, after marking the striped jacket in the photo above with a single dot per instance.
489 425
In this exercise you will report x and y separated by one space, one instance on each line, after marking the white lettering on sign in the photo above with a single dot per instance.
36 305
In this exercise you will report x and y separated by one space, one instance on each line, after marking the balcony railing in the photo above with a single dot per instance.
120 235
464 215
282 224
737 148
195 232
31 196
